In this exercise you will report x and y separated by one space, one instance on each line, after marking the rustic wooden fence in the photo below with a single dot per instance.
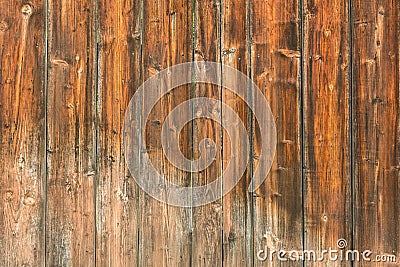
330 70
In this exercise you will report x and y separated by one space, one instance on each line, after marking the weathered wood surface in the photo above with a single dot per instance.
275 68
118 34
22 133
237 221
376 125
68 69
165 231
326 118
71 155
207 220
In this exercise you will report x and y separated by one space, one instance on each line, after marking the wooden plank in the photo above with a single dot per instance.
376 127
22 124
119 76
71 151
164 230
327 177
207 219
237 225
275 68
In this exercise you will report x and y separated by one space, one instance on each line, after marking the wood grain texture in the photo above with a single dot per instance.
237 221
207 220
119 75
165 231
275 68
327 177
22 133
330 70
376 127
71 161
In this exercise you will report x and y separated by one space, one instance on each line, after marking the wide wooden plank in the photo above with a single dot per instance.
22 134
119 74
71 155
376 118
207 219
327 177
237 220
275 68
165 230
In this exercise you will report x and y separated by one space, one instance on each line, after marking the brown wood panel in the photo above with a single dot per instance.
327 177
164 230
119 75
207 219
275 68
237 221
376 126
330 71
22 133
71 157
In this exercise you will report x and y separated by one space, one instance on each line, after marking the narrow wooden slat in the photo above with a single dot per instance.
327 180
164 230
376 127
22 131
119 76
237 230
275 67
70 129
207 219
